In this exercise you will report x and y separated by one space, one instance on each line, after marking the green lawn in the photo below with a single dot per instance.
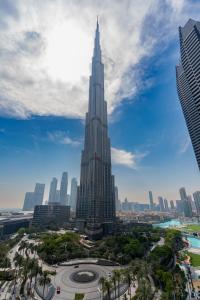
192 228
79 296
195 259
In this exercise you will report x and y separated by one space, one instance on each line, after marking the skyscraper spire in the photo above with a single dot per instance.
95 200
97 48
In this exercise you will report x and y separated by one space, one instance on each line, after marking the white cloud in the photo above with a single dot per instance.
46 49
125 158
61 137
185 144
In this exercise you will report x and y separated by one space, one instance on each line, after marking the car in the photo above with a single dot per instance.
76 266
193 294
109 275
58 290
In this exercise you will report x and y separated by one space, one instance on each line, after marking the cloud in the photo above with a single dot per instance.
125 158
61 137
46 50
185 144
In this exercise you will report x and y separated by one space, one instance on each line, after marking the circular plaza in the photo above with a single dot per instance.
80 278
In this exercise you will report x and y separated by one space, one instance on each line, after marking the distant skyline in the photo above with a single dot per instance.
44 95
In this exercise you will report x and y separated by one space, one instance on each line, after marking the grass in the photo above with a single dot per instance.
192 227
195 259
79 296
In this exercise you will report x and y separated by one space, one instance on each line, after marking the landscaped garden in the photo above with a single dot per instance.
194 259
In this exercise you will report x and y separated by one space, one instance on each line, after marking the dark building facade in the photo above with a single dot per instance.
95 210
188 80
10 226
51 214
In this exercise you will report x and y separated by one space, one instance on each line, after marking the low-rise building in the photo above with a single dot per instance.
51 214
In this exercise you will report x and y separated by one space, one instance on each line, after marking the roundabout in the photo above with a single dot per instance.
84 276
81 278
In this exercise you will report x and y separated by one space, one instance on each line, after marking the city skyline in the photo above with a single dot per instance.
151 149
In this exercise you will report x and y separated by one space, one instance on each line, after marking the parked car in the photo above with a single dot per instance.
58 290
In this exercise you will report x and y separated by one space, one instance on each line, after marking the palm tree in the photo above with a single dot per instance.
108 286
114 281
128 279
144 291
118 275
44 280
102 283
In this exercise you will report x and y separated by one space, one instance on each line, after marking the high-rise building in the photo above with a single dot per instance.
57 197
183 194
161 203
95 202
117 201
34 198
39 193
166 205
187 207
188 80
151 200
172 204
180 206
63 189
196 196
73 194
28 201
53 190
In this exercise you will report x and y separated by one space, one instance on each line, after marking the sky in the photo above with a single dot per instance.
45 62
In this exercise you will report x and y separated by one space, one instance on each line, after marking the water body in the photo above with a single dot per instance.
194 242
168 224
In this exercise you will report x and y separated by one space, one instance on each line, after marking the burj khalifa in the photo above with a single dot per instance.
95 210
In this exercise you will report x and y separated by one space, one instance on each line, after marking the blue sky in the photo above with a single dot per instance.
44 94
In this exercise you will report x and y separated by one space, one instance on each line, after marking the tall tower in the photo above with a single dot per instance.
53 190
151 200
161 203
95 208
73 194
183 194
196 196
39 193
188 80
63 189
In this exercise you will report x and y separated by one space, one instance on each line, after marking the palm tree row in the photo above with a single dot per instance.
28 269
138 271
112 286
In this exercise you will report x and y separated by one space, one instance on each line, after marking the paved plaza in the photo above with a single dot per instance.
69 278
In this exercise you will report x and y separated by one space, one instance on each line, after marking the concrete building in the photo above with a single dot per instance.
51 214
187 207
63 189
34 198
196 196
28 201
166 205
39 193
161 203
95 209
172 204
183 193
151 204
188 80
53 190
117 201
12 225
73 194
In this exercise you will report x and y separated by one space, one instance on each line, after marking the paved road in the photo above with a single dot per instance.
69 287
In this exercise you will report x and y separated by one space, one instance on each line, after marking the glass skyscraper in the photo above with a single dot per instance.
188 80
95 210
